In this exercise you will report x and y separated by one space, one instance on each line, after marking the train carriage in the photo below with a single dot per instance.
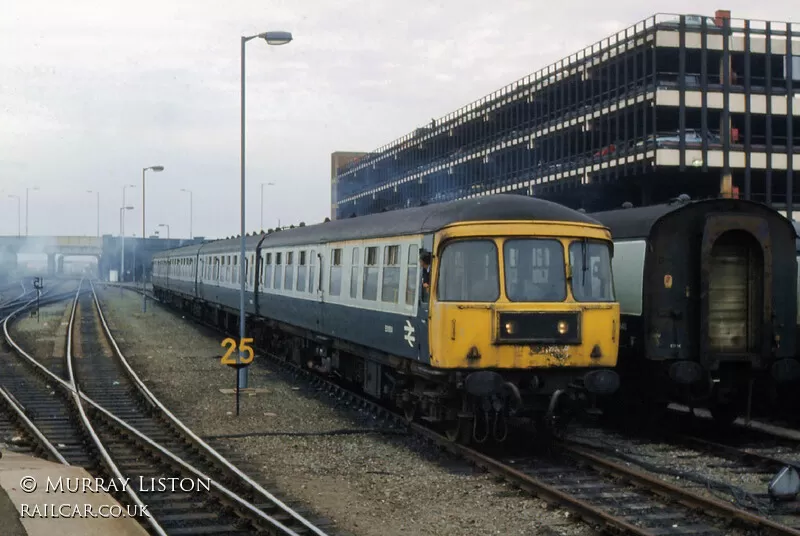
707 291
519 315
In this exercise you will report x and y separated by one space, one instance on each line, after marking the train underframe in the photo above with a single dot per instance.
728 391
467 406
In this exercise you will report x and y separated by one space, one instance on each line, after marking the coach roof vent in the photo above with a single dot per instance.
627 204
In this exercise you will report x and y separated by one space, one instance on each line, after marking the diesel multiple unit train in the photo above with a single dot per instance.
708 296
467 312
461 314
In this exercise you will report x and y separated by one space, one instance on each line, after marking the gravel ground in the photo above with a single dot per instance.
367 483
697 471
375 483
45 338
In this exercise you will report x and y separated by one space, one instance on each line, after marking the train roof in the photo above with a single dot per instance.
410 221
638 222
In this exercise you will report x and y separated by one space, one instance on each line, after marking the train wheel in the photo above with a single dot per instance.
409 412
459 431
724 414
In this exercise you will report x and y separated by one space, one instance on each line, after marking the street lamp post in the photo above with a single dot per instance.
122 232
165 225
98 209
191 208
27 194
272 38
134 260
144 232
19 202
262 201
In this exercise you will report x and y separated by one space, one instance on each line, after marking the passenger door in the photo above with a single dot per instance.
464 291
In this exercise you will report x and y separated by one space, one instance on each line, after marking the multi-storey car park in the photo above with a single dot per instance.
673 104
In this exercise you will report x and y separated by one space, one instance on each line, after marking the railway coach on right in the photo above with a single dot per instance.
708 297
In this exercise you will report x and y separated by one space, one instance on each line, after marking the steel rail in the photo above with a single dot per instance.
545 491
29 426
196 472
163 450
684 496
185 429
552 494
754 459
76 398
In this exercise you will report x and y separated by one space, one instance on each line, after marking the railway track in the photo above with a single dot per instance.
12 435
755 450
36 412
132 436
607 494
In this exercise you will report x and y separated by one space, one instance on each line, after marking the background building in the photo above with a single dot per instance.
673 104
338 160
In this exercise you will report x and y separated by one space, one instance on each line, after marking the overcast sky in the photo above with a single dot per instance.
91 91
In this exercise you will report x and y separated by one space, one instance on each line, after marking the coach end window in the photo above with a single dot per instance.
591 271
468 272
535 270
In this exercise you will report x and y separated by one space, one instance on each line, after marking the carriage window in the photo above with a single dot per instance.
251 270
267 281
468 272
335 284
354 275
591 271
235 270
278 270
535 270
390 284
369 290
288 272
312 271
302 274
411 273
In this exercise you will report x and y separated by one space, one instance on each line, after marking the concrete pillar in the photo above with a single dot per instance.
60 264
51 264
726 179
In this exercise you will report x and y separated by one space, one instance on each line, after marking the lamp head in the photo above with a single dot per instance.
277 38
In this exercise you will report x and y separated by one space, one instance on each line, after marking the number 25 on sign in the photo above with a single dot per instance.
244 346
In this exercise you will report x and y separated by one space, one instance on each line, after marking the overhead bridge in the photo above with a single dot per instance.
106 249
55 247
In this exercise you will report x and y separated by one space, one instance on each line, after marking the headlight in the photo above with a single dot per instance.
511 327
562 327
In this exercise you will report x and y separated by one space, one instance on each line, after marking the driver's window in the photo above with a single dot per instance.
425 277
